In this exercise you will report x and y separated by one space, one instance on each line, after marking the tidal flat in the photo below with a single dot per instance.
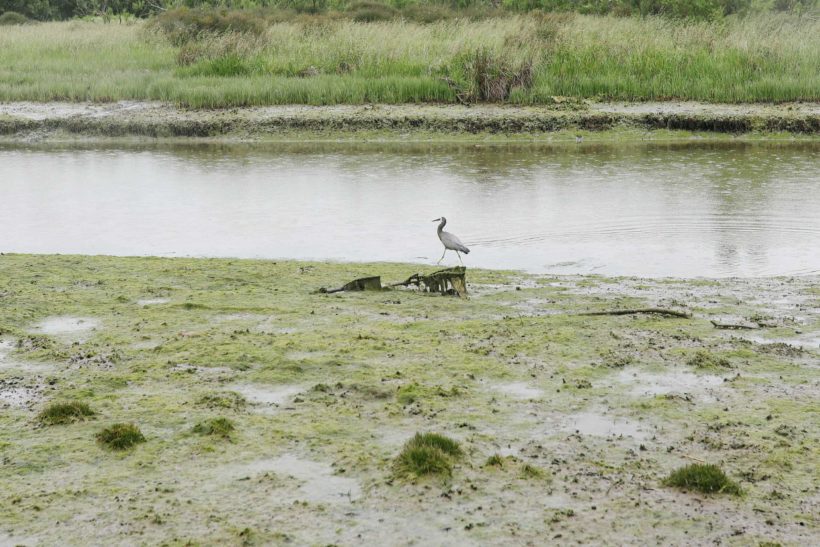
264 412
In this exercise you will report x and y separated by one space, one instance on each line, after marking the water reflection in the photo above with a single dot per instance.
709 209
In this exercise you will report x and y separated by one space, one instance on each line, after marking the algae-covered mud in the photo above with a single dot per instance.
560 121
226 402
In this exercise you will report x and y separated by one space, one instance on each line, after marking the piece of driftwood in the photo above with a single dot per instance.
657 311
452 281
735 326
362 284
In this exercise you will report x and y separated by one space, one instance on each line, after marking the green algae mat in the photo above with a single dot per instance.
204 401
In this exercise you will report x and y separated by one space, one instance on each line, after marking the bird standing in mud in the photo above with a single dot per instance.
450 242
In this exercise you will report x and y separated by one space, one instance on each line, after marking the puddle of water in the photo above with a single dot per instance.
152 301
646 383
808 343
318 484
269 398
74 329
601 425
519 390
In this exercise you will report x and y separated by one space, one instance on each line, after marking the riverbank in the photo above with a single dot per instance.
31 122
588 414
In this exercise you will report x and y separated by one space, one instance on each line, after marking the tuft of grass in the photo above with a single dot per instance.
64 413
532 472
427 454
707 359
706 478
223 399
220 427
120 436
494 461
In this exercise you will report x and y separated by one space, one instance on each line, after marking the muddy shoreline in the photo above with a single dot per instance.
583 415
27 122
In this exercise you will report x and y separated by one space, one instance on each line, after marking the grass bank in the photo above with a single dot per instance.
259 405
595 122
520 59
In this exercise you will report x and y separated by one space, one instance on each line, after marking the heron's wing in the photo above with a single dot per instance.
451 241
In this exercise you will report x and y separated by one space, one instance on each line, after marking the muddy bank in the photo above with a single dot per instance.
583 416
36 121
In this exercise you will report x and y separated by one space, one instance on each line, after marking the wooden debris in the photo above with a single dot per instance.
362 284
452 281
735 326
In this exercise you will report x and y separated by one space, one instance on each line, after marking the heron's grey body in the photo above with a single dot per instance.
450 242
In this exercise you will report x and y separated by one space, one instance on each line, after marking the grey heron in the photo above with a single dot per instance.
450 242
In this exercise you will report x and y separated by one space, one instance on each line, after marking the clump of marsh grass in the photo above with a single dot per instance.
220 427
120 436
494 461
490 76
706 359
223 399
64 413
706 478
427 454
183 25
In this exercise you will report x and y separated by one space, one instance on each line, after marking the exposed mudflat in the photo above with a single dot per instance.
586 414
41 121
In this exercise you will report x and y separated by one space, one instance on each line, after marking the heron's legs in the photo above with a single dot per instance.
459 258
442 256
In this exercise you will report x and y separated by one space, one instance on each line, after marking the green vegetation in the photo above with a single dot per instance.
220 427
13 18
120 436
427 454
64 413
706 478
522 59
224 399
706 359
494 461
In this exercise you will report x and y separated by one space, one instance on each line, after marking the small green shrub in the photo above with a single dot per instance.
368 11
64 413
706 359
494 461
223 399
221 427
706 478
532 472
183 25
427 454
120 436
13 18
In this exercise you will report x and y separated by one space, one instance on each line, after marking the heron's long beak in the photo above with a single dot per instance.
436 220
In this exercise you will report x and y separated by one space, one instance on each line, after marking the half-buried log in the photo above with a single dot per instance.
362 284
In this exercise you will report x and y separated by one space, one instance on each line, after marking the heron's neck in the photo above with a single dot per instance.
441 226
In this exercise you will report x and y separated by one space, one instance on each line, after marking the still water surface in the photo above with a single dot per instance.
643 209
